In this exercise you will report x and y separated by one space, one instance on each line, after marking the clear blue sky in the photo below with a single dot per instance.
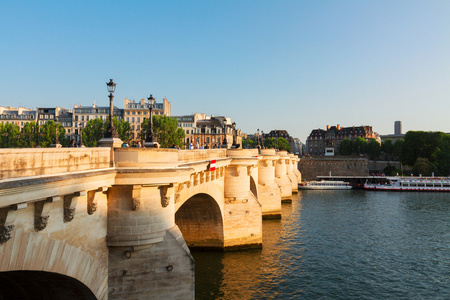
294 65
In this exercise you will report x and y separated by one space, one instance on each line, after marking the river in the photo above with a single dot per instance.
352 244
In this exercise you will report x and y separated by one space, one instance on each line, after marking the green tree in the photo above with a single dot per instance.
442 154
277 143
419 144
387 146
93 132
166 130
249 144
422 166
359 146
346 147
123 129
373 149
9 136
398 146
47 134
30 135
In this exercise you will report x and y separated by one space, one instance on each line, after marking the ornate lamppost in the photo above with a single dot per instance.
224 142
150 139
110 137
110 129
56 143
257 130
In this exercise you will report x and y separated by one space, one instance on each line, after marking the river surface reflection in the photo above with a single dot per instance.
340 245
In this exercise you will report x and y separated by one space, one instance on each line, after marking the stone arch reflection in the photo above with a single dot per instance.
200 220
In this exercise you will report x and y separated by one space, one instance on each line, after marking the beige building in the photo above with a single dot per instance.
135 113
209 131
18 116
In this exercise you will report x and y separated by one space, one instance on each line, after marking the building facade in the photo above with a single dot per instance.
17 116
136 112
209 131
82 115
326 142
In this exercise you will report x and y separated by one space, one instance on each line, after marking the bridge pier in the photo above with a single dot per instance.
282 178
242 216
148 256
269 192
290 164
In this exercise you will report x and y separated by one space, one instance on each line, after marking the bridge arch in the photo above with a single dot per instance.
201 223
42 285
49 256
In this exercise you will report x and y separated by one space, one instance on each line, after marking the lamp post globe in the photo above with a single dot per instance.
110 129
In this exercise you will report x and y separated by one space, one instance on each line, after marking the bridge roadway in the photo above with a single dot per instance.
120 221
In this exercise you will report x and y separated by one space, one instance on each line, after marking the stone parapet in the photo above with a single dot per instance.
16 163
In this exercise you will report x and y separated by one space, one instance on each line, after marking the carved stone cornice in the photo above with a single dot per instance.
7 218
202 177
70 203
6 233
42 212
92 197
166 192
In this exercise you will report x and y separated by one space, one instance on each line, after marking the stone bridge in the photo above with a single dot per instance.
117 223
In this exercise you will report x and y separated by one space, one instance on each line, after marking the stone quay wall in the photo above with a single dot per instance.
312 167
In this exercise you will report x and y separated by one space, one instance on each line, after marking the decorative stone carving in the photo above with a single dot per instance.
6 233
237 170
249 170
91 202
136 197
188 184
7 218
202 177
177 198
40 222
196 181
166 191
213 175
92 199
42 212
70 203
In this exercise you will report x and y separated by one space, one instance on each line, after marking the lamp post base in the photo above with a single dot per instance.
110 142
151 145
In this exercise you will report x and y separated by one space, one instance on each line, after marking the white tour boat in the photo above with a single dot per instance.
324 185
420 184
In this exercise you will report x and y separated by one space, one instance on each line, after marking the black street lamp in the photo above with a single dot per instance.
150 138
224 142
258 137
111 130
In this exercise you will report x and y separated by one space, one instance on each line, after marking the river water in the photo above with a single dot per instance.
352 244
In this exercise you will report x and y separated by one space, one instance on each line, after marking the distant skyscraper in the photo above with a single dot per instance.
398 127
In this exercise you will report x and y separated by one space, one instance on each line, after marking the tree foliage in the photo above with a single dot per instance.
166 130
249 144
373 149
346 147
31 135
96 128
277 143
93 132
419 144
